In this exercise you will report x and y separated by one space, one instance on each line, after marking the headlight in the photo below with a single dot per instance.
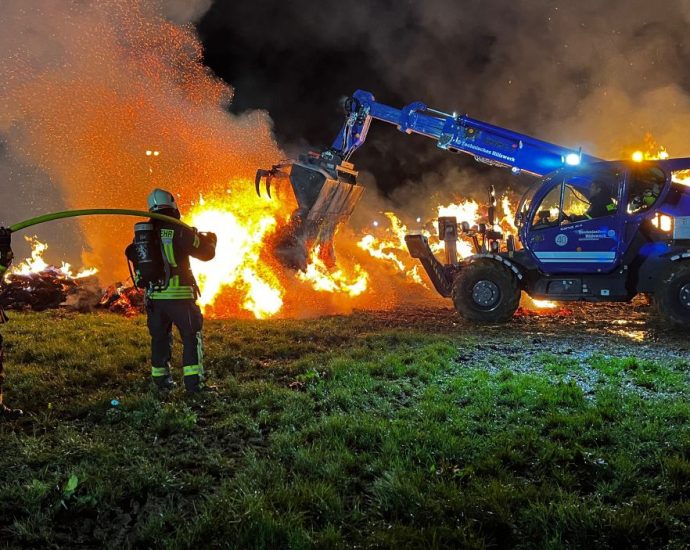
572 159
663 222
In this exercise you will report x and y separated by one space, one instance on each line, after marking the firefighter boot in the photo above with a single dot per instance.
195 385
193 378
10 414
192 383
162 380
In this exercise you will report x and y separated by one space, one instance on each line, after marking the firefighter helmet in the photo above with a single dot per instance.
161 200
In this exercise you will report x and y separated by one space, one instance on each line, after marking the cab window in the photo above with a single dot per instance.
526 202
645 187
590 196
548 212
582 196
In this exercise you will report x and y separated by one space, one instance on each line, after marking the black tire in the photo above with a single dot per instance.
672 295
486 291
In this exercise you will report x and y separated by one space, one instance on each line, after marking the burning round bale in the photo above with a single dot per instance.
35 285
48 289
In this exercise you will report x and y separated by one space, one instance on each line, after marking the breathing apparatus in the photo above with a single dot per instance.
144 258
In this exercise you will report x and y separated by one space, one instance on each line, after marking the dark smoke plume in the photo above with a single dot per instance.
594 74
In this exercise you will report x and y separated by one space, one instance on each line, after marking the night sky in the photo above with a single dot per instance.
301 74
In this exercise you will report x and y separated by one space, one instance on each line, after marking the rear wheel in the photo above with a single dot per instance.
672 295
486 291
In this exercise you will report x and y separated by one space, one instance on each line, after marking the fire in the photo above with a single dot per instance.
262 299
508 221
243 275
391 248
337 280
651 150
467 211
654 151
543 304
238 262
126 300
387 243
682 177
36 264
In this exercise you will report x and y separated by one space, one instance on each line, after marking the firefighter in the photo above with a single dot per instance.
171 298
5 260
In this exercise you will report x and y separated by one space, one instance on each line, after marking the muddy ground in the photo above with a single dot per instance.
577 331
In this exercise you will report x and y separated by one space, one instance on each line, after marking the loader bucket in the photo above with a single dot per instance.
326 193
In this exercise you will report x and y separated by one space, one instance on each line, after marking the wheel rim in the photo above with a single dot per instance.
486 294
684 296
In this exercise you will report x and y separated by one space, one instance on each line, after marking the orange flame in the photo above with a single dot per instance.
241 232
652 150
392 248
322 279
36 264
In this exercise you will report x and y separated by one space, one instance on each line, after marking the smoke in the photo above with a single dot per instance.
185 11
89 87
594 74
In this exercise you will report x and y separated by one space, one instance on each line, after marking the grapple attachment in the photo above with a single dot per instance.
326 192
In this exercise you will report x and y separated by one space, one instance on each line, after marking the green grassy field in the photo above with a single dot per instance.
342 432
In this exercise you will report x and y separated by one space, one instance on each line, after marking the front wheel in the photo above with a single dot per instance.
672 295
486 291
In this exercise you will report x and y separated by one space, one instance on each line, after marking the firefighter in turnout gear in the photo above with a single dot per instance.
6 256
160 258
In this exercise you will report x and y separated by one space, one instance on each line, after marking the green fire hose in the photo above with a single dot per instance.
6 232
93 212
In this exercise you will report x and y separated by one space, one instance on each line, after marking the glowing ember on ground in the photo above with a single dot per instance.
544 304
126 300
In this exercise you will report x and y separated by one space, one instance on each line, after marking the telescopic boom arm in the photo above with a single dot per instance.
455 133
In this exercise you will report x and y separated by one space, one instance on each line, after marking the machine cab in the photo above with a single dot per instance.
580 220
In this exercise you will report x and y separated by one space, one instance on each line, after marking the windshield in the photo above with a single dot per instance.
527 198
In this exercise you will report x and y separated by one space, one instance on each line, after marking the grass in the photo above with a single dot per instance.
338 433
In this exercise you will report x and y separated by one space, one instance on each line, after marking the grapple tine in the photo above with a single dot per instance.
257 180
268 186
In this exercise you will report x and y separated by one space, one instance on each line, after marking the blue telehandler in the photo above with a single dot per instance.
588 229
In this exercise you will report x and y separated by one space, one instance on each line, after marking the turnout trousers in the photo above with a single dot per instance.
186 316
